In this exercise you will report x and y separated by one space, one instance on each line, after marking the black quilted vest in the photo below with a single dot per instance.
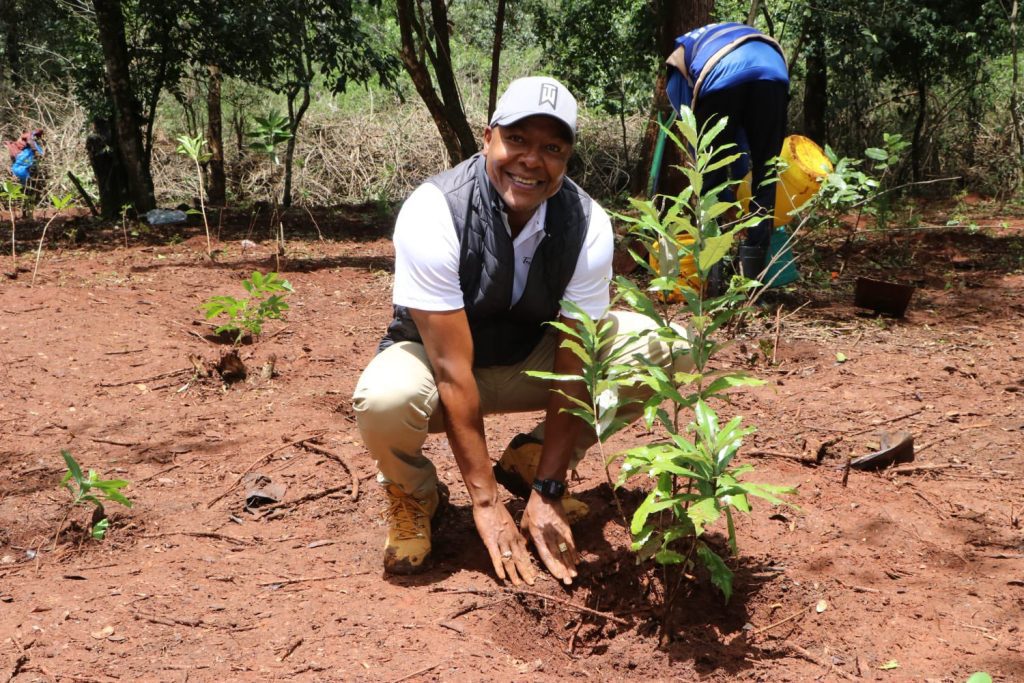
504 334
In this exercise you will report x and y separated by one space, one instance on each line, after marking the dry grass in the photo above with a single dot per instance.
64 121
339 157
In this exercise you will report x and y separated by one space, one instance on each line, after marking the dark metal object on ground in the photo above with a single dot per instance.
890 298
894 447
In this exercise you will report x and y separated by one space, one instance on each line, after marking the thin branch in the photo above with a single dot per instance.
258 461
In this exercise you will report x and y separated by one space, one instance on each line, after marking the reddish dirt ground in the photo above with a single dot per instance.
888 576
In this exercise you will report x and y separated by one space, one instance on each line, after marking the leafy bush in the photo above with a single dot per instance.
251 313
691 462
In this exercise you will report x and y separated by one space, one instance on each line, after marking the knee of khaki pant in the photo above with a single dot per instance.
672 357
386 411
396 391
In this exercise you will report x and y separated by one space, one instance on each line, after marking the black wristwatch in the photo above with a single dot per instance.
549 488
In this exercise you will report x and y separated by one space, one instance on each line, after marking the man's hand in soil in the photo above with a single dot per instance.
449 345
505 544
544 522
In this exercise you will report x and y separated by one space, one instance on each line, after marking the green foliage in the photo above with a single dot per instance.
90 489
691 463
11 191
848 187
603 50
249 314
267 132
192 147
980 677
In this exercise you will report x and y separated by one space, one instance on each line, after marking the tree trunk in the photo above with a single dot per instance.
294 119
752 15
676 17
101 148
499 30
216 186
816 84
127 133
151 104
12 45
448 116
917 143
1014 114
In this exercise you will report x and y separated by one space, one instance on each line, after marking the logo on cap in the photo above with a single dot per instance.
549 94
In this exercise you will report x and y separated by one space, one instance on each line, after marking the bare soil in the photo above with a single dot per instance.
897 575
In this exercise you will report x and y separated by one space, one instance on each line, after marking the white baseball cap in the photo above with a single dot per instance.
536 96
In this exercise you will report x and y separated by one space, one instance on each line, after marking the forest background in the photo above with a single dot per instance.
366 99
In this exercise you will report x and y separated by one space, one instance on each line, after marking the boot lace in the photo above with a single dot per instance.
408 516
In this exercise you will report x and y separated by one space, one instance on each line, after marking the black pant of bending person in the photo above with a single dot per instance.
758 108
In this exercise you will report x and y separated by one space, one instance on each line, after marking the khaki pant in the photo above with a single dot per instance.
396 400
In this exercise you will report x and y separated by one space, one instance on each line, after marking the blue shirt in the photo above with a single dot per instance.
754 59
23 164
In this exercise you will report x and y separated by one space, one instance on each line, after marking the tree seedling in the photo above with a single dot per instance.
12 193
265 135
690 461
248 315
193 149
90 490
59 204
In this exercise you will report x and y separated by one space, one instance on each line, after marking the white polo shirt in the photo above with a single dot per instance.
427 257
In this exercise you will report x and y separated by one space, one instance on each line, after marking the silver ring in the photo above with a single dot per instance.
507 554
562 547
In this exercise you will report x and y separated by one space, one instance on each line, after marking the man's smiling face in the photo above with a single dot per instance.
526 162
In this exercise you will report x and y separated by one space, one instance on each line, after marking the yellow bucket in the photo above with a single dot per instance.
807 167
687 270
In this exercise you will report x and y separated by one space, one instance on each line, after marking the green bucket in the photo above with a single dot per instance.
782 268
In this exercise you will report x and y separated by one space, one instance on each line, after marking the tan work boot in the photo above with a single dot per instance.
407 547
517 469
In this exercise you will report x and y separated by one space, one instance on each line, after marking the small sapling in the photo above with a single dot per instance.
91 490
193 149
248 315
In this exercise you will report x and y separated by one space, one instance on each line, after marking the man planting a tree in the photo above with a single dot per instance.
484 254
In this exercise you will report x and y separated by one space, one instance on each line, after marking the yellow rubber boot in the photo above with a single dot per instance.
407 547
517 469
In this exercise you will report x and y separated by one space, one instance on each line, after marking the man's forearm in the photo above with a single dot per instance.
464 426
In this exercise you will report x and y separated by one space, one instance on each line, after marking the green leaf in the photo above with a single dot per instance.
702 513
721 576
769 492
73 469
666 556
891 664
979 677
840 357
876 154
653 503
99 529
715 249
646 544
116 497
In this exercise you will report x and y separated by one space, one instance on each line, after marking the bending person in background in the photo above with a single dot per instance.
24 153
734 70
